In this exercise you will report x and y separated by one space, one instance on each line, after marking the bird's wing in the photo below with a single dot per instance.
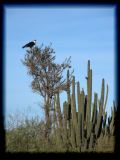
30 44
24 46
27 45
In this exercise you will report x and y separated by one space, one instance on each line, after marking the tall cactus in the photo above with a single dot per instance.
112 124
89 99
68 89
102 94
81 129
73 103
68 105
106 99
65 123
73 137
60 121
73 122
79 133
104 122
100 116
59 112
82 99
94 115
56 124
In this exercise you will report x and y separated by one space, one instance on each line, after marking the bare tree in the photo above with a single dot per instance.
48 78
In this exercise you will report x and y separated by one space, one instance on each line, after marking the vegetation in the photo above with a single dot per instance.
85 128
47 77
82 126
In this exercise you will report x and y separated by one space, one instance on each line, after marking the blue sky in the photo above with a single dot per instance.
82 32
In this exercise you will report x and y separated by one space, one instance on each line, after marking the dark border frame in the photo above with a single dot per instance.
117 123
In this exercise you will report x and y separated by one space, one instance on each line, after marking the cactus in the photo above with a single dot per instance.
65 123
68 98
82 99
59 119
65 114
112 124
73 121
81 130
100 116
106 99
73 105
79 118
78 98
94 115
68 106
91 144
68 89
73 137
104 122
59 112
89 99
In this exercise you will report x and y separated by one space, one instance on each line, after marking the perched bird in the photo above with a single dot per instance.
30 44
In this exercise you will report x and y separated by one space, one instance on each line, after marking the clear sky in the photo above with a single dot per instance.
82 32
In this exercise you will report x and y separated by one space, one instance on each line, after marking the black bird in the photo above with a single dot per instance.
30 44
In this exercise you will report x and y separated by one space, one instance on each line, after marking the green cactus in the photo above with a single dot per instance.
82 100
112 124
106 99
104 122
68 89
60 122
91 144
73 121
89 100
73 137
56 125
78 97
94 113
102 94
68 97
100 116
59 112
65 123
73 106
79 118
65 114
80 129
68 105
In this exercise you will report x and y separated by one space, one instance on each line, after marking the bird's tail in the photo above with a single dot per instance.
23 47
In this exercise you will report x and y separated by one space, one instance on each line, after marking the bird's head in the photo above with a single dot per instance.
34 41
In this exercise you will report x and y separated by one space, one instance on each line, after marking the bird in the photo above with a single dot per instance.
30 44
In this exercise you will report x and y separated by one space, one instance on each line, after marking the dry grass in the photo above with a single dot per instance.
28 136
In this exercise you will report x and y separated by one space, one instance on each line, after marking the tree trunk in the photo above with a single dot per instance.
47 118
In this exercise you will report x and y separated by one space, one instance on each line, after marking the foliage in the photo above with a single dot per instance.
47 77
87 129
